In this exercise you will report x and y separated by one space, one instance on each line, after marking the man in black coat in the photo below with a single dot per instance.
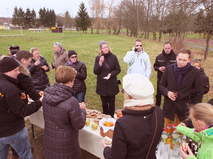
178 83
162 61
12 111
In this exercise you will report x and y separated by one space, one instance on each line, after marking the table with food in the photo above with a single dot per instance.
98 129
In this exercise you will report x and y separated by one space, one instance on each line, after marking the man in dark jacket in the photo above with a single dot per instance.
203 77
79 86
24 78
38 69
107 68
162 61
12 111
178 83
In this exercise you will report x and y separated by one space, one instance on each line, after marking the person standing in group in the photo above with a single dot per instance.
178 83
138 60
107 68
79 86
60 56
165 58
203 77
38 69
136 134
24 78
63 117
13 110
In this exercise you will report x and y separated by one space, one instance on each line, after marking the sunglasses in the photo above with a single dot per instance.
73 57
138 45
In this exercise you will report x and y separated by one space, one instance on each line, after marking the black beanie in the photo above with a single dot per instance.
71 52
8 64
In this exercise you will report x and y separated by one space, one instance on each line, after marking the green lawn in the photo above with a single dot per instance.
86 46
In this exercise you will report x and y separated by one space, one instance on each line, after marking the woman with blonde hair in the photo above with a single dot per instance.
201 115
107 68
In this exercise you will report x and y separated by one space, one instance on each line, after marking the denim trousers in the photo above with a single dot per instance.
19 142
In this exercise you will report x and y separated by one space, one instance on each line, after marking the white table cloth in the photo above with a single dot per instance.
89 140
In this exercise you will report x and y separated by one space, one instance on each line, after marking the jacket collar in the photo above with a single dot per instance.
138 112
8 78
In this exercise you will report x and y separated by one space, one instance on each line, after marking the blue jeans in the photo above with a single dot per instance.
80 96
19 142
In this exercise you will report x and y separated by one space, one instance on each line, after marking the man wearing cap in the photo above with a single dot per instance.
12 111
60 56
79 84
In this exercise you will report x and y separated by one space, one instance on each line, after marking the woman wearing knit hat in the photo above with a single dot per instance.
137 133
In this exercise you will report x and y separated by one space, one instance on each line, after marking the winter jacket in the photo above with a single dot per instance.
163 59
12 108
133 135
203 138
79 83
204 83
189 85
26 85
110 65
63 118
138 62
38 74
59 58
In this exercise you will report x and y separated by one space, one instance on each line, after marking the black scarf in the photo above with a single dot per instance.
180 72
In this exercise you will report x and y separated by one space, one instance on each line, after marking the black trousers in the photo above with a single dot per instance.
108 105
158 95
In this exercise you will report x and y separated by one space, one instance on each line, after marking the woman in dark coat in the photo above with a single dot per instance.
38 70
138 132
63 117
107 68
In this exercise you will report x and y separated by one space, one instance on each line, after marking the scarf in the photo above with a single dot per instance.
180 72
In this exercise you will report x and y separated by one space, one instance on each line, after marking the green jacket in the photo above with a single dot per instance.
204 138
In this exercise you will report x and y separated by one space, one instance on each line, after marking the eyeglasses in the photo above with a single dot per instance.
73 57
138 45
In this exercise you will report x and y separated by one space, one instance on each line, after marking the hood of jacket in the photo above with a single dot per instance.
57 94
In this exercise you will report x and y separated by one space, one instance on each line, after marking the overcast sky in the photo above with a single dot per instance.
60 6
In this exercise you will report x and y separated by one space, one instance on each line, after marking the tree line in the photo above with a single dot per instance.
148 19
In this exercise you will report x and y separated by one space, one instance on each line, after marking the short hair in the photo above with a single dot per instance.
102 43
34 49
138 40
65 74
185 51
203 112
167 42
23 54
58 44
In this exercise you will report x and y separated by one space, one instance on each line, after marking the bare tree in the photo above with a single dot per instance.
97 8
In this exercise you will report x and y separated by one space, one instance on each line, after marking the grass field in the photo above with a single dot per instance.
86 46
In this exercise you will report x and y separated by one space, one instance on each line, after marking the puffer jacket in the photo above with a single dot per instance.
203 138
63 119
